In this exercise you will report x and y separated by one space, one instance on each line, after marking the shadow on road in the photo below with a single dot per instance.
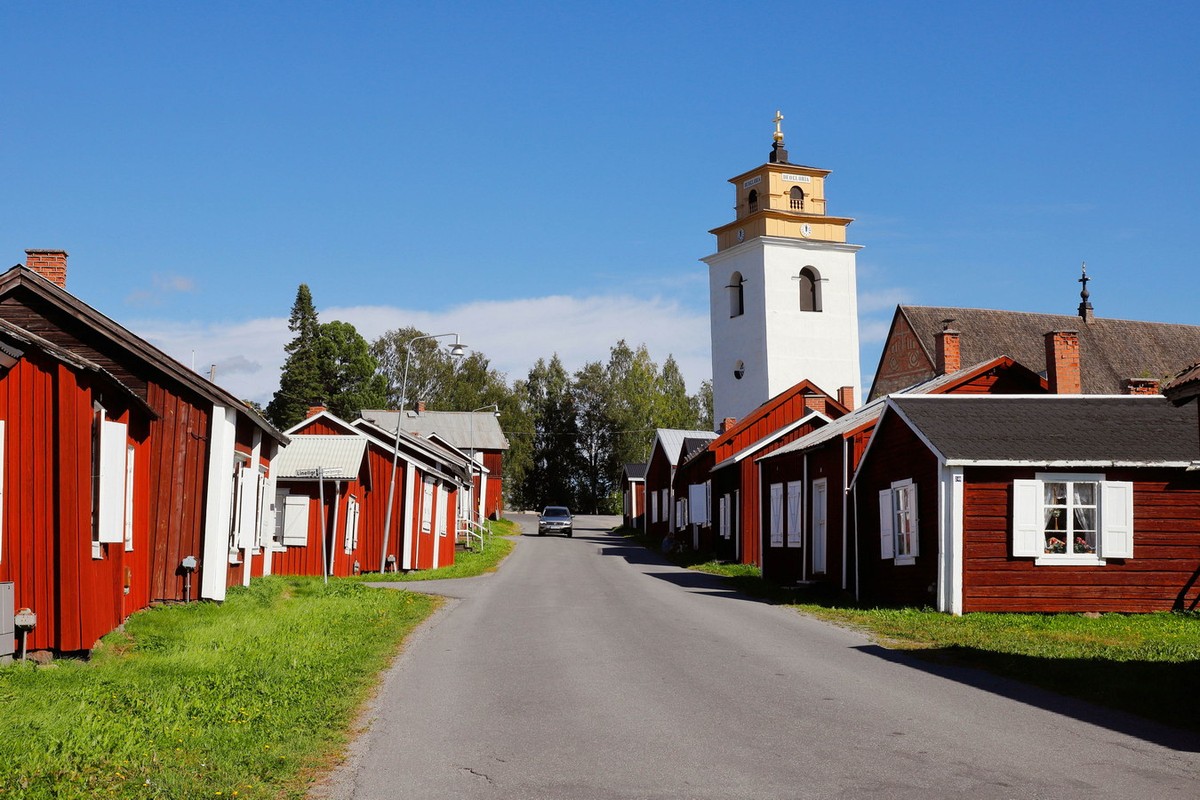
997 673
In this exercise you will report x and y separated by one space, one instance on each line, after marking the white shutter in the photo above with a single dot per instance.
351 524
295 519
1027 533
1116 519
777 515
794 515
443 512
887 516
723 516
247 519
427 506
653 507
110 516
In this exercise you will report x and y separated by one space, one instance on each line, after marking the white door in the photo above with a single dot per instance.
819 526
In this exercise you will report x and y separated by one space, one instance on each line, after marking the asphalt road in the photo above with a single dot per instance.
590 668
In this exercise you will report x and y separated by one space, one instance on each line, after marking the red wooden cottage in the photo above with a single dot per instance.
475 433
633 496
1030 503
429 482
691 489
807 526
322 482
791 414
127 478
660 477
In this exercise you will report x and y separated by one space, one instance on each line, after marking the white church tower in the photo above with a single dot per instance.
783 300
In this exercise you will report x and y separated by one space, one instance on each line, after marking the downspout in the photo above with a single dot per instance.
337 507
805 551
845 522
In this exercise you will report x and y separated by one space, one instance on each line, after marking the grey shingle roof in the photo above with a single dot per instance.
1053 429
340 456
462 429
635 472
1110 350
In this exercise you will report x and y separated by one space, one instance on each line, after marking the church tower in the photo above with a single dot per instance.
783 301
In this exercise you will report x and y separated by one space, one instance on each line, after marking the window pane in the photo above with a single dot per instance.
1085 494
1085 542
1056 494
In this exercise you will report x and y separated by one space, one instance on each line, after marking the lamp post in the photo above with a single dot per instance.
456 351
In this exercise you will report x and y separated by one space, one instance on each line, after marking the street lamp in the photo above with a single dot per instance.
456 351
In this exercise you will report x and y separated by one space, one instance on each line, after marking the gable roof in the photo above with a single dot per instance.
339 457
1185 386
20 277
867 414
1110 350
671 440
1051 430
462 429
635 472
430 450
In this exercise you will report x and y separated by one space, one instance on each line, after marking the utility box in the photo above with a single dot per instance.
8 627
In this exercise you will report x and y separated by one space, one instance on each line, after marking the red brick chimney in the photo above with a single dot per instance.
1142 386
50 264
314 410
948 358
1062 362
420 406
815 402
846 397
727 423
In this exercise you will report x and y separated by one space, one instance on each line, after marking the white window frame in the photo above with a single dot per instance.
898 513
1114 519
775 529
795 513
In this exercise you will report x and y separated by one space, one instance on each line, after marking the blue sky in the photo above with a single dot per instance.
542 178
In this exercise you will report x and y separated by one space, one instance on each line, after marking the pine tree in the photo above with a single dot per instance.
300 382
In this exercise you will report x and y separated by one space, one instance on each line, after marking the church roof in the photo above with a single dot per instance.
1111 351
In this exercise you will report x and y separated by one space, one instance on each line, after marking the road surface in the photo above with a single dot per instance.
590 668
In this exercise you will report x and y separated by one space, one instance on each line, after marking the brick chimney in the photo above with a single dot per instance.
313 411
815 402
948 358
1142 386
50 264
1062 362
727 423
420 406
846 397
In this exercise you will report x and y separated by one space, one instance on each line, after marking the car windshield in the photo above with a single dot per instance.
557 512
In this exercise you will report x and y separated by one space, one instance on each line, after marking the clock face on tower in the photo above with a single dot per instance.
806 230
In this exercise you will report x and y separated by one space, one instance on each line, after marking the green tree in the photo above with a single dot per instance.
349 374
702 407
632 376
300 377
673 407
593 407
554 458
429 364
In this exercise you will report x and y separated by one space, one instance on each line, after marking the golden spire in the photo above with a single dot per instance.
778 130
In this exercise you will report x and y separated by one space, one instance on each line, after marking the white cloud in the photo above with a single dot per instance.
161 286
512 334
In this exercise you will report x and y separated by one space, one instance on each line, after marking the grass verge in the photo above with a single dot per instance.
246 699
1146 664
467 563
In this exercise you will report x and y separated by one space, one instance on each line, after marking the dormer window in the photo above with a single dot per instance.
797 196
752 200
737 301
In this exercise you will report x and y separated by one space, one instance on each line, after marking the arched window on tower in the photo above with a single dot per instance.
810 289
797 198
737 302
752 200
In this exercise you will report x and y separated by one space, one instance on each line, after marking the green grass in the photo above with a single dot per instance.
467 563
1147 664
245 699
